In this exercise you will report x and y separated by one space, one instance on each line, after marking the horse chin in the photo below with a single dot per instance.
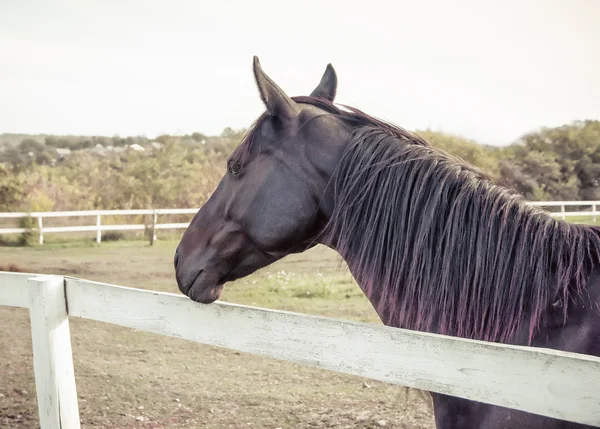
206 295
205 289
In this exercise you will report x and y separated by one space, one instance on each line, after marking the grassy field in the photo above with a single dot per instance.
131 379
588 220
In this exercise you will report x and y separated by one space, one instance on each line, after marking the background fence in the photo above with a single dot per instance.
152 226
98 227
542 381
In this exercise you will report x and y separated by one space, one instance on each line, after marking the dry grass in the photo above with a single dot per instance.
130 379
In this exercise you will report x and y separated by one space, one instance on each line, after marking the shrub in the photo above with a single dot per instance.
27 238
113 236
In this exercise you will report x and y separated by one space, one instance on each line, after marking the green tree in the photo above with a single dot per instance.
564 162
469 150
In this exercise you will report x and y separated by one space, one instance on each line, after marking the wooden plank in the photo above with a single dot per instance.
13 230
153 231
98 228
40 230
81 213
95 228
566 203
14 289
119 227
131 212
84 213
552 383
52 354
171 225
9 215
79 228
177 211
73 213
84 228
571 214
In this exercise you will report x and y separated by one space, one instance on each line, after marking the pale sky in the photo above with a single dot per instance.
488 70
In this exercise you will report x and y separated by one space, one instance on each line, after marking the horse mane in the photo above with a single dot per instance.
440 246
444 249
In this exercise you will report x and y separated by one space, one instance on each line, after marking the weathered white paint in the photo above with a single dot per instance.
571 214
153 228
552 383
84 213
154 223
84 228
77 213
52 357
40 230
171 225
177 211
13 230
560 203
98 228
14 289
9 215
123 227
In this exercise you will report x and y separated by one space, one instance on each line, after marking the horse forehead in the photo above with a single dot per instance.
307 126
310 112
322 122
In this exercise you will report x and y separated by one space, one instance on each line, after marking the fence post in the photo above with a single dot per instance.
41 230
52 355
562 210
594 211
153 230
98 230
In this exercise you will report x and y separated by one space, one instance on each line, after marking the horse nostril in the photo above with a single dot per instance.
176 259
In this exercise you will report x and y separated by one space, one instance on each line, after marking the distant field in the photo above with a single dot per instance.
131 379
588 220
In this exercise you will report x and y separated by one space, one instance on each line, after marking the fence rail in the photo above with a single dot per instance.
97 227
541 381
563 214
153 226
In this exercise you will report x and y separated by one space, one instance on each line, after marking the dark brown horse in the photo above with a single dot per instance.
432 242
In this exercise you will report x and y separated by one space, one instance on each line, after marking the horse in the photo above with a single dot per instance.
433 242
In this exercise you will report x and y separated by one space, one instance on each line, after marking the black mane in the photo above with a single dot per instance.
444 248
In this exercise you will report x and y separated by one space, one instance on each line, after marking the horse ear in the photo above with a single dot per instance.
277 102
328 85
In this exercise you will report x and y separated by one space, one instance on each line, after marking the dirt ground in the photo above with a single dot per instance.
131 379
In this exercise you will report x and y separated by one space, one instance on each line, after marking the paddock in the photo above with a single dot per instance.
546 382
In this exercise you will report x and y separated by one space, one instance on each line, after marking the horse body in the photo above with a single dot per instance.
579 334
432 242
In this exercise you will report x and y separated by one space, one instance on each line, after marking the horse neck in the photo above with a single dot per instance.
434 248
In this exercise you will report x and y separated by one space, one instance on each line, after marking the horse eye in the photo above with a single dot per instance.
234 167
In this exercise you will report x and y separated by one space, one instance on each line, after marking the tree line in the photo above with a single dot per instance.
550 164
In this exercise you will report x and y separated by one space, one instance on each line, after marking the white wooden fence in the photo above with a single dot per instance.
154 213
97 227
563 204
542 381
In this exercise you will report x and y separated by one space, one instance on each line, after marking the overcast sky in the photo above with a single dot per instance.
488 70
